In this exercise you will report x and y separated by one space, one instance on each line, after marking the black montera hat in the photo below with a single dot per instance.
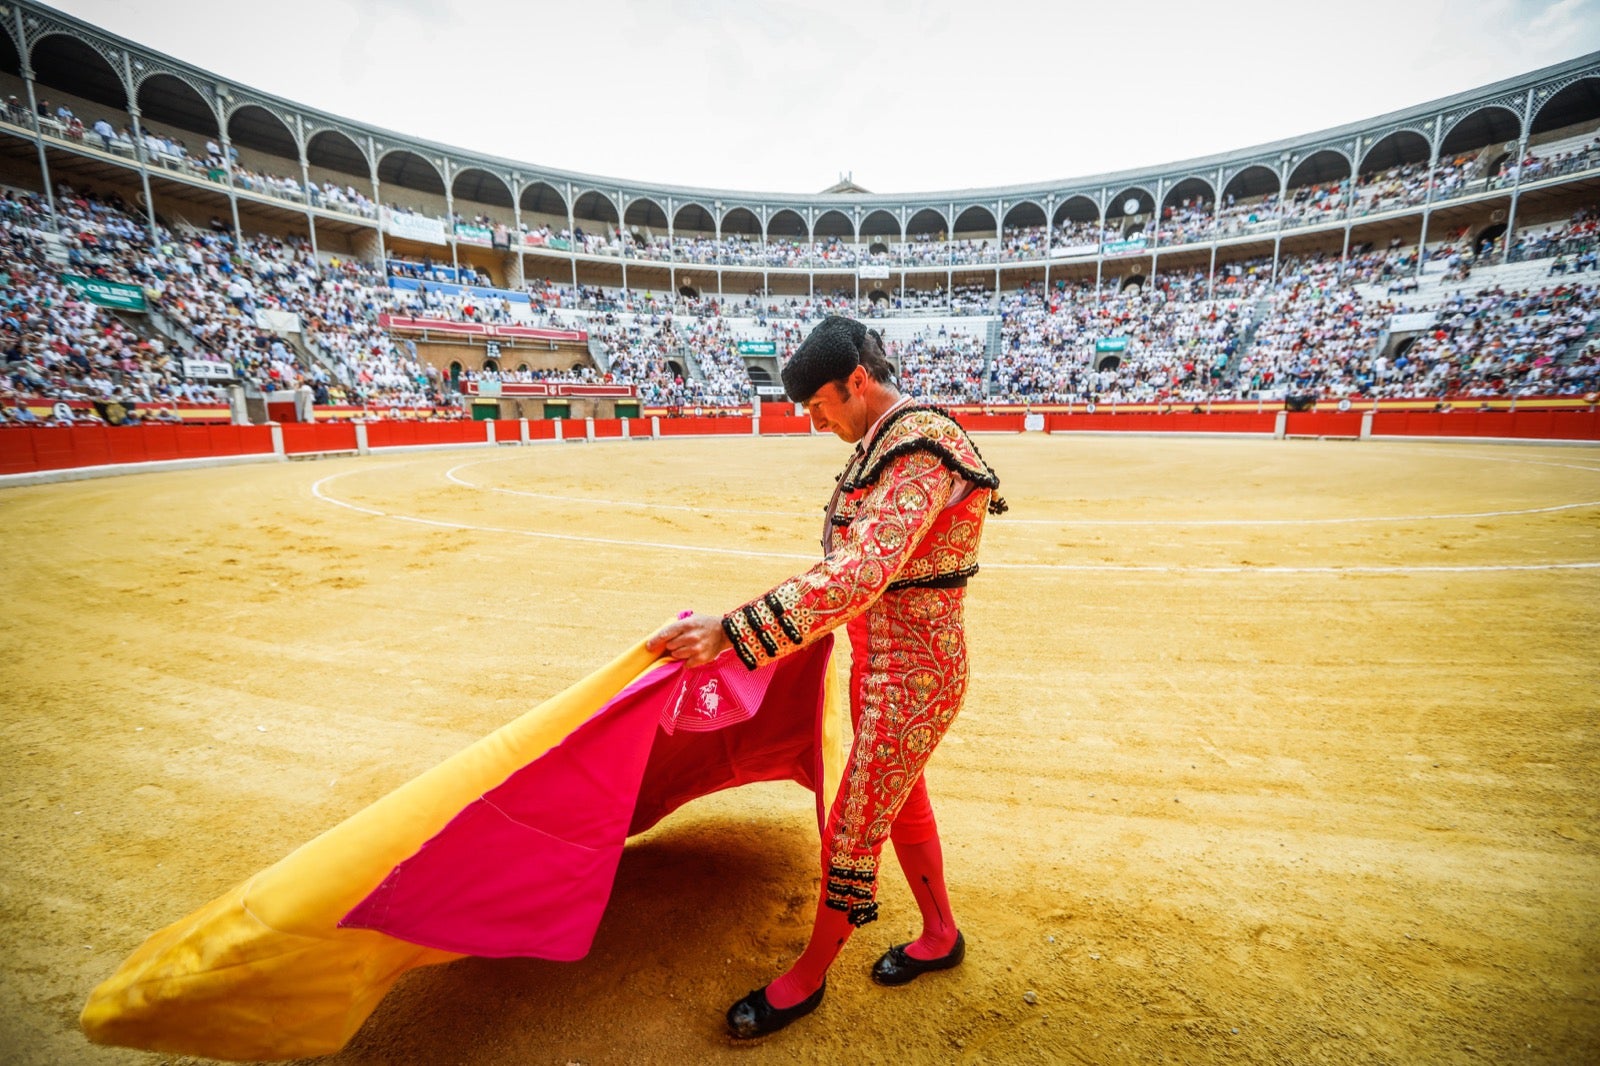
829 353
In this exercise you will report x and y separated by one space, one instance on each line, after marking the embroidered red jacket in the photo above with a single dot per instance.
893 528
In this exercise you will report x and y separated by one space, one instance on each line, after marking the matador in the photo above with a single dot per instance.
900 541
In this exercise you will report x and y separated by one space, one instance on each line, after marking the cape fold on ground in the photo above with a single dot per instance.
508 848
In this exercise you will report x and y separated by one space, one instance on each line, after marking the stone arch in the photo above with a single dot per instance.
693 218
479 186
1141 199
1250 182
336 150
1320 168
835 223
645 212
1577 104
786 224
10 56
66 64
743 221
1144 203
930 222
1022 214
596 211
881 224
172 101
254 127
1487 237
1399 148
408 170
976 219
1493 124
1189 189
542 198
1079 208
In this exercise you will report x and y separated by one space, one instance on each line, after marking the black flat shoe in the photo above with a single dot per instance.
753 1016
898 968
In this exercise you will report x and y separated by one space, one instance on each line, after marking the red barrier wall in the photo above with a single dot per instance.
58 448
687 427
991 423
1149 422
1520 425
24 450
507 430
775 424
307 437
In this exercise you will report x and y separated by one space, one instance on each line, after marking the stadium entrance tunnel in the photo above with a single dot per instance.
676 368
1132 281
878 296
689 292
1108 362
1486 239
877 248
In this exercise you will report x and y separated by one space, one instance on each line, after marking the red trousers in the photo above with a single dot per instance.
907 680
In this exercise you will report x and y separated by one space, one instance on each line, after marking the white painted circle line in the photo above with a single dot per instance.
452 475
316 490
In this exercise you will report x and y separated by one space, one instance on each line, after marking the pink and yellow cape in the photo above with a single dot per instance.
508 848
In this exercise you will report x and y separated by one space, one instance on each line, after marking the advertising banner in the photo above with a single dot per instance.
110 294
414 227
1133 246
875 273
1111 344
207 370
1072 250
481 234
758 347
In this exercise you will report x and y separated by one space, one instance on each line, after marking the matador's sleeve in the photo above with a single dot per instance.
892 518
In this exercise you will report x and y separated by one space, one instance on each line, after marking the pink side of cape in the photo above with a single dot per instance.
527 869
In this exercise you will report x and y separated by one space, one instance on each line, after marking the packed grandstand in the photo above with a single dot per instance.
170 244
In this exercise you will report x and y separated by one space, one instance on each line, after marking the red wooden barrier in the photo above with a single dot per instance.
775 424
1323 424
687 427
507 431
991 423
541 429
1519 425
609 427
306 438
1176 422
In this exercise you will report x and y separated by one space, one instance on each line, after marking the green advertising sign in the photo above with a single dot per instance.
758 347
110 294
1128 247
1111 344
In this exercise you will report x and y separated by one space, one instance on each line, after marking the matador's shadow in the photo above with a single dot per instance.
702 911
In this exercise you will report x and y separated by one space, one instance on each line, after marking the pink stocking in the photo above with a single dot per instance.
828 933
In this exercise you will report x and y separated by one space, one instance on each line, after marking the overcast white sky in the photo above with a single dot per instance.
909 96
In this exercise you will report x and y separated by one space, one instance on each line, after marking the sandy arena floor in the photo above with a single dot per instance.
1210 800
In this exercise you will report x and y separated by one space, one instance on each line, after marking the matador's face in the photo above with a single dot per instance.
840 408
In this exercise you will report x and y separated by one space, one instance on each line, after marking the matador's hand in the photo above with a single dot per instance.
696 640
